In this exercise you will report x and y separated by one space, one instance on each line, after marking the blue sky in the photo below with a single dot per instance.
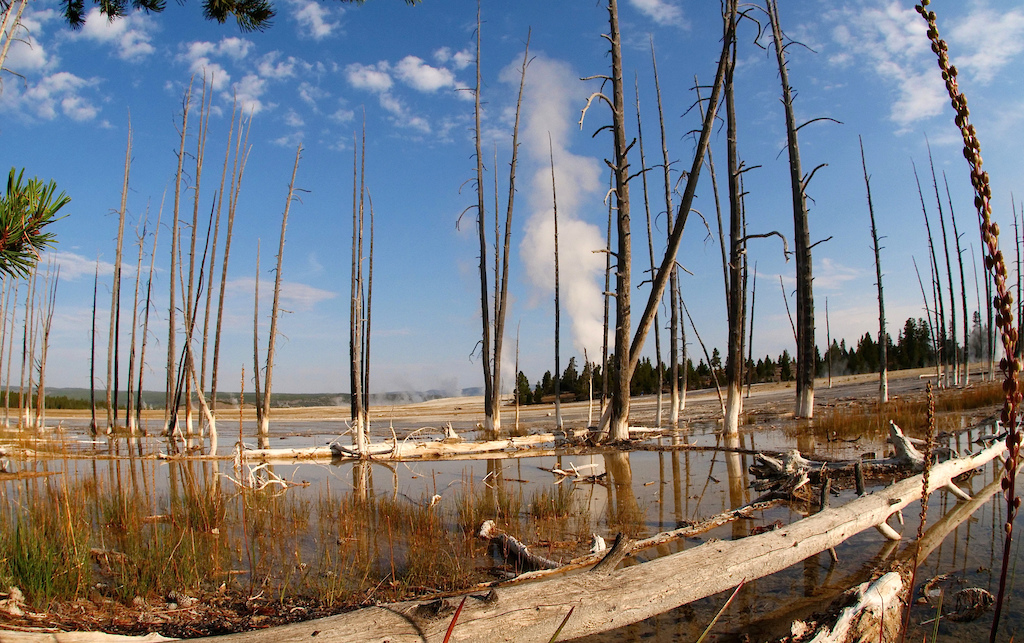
64 114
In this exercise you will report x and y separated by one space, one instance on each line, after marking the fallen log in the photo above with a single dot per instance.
512 549
607 601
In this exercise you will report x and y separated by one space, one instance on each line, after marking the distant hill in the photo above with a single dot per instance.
156 399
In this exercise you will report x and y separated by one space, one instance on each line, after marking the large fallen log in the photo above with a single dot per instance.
605 601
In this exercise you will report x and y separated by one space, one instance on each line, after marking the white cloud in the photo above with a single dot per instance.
74 266
234 47
270 67
893 41
292 119
991 38
374 78
54 95
421 76
663 12
310 94
314 19
343 115
249 92
296 297
459 60
130 34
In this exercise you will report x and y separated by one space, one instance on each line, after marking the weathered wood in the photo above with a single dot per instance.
512 549
607 601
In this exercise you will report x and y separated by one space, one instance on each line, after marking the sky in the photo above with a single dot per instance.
324 68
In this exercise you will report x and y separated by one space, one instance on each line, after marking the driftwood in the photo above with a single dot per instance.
527 612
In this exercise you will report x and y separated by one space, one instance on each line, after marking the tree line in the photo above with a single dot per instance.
913 347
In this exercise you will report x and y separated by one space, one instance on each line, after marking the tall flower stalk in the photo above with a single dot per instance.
1002 301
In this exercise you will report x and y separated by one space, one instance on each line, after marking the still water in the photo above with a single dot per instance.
350 532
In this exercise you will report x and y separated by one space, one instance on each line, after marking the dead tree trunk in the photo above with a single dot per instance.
49 304
145 321
949 275
963 287
883 360
485 315
172 310
750 341
558 366
94 428
607 294
263 441
115 293
940 316
129 418
805 354
268 372
676 401
734 292
650 250
355 309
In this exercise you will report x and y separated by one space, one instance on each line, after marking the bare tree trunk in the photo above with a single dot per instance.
47 313
26 355
558 367
676 402
355 308
9 309
485 316
963 288
828 340
928 317
262 438
683 358
607 294
940 316
129 418
750 343
9 26
115 293
264 428
619 425
805 356
93 427
501 293
734 293
949 274
238 168
883 359
145 322
171 310
650 251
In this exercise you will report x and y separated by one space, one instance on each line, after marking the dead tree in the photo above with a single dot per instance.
145 320
558 367
963 287
622 368
805 353
129 418
676 401
734 290
238 169
49 305
115 292
949 273
268 371
940 316
94 428
172 313
650 250
355 345
883 367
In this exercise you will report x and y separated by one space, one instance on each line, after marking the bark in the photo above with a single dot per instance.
558 367
512 549
805 355
883 360
734 291
8 332
619 424
676 401
263 439
367 325
115 293
605 601
750 342
607 295
26 356
268 372
8 28
172 310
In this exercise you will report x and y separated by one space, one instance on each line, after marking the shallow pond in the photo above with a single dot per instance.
114 521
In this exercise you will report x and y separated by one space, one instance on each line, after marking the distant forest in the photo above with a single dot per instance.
913 348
